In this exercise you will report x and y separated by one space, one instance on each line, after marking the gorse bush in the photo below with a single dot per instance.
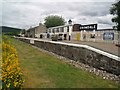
11 73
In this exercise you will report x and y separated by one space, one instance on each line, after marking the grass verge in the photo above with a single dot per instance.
42 70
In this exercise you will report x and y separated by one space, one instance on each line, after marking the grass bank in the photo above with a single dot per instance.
42 70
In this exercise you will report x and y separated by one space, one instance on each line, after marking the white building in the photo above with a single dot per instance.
65 31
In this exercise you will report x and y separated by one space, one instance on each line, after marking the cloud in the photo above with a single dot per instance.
1 14
94 8
24 14
59 1
105 19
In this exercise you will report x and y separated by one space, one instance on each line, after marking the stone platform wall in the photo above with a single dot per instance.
82 54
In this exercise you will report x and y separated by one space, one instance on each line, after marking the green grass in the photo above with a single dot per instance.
42 70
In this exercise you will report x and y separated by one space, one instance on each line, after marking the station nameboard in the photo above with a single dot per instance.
108 36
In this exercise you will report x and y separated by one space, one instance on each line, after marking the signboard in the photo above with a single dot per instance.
32 41
108 36
88 27
78 36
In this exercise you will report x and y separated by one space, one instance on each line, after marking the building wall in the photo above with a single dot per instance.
65 30
40 29
94 36
30 33
76 36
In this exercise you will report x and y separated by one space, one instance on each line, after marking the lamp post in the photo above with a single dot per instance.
69 21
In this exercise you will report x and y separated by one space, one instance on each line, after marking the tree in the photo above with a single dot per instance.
23 31
54 20
115 10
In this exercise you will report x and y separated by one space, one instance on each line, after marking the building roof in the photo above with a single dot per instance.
105 29
60 26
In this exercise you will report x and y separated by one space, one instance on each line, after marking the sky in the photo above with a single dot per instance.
29 13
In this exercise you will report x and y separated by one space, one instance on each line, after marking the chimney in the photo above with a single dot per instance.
40 24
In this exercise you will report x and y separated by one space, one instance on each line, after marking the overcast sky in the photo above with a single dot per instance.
27 13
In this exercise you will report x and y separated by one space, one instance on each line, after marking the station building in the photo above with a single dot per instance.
80 32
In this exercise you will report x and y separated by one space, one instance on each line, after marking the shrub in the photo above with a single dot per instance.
11 73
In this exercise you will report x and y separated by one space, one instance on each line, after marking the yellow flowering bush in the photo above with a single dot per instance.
11 73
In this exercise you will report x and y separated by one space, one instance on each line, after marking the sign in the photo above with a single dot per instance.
32 41
108 36
88 27
78 36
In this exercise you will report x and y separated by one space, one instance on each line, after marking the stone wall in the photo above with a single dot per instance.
24 40
80 54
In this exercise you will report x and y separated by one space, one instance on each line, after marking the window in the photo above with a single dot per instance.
62 29
49 31
67 28
57 29
92 35
53 30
